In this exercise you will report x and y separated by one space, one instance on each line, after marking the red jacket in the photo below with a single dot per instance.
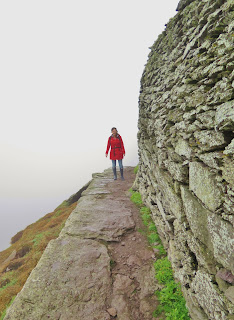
117 147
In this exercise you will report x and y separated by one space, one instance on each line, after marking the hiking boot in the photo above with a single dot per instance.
114 171
121 171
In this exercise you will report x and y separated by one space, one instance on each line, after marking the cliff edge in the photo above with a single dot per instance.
99 267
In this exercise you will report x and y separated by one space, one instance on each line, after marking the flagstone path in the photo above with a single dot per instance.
100 267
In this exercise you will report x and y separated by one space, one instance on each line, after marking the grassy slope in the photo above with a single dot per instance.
29 245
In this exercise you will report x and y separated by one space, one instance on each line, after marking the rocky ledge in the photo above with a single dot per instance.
99 268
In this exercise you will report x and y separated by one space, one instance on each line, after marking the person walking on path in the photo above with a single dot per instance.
117 151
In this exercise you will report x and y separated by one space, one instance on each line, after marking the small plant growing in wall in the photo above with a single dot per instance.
136 169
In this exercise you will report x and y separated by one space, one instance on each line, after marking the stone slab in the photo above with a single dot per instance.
70 281
203 183
197 217
97 219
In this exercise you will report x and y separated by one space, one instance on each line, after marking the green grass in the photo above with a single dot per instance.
37 239
172 303
153 237
163 270
145 210
4 312
136 198
112 264
136 169
152 227
62 205
161 249
58 212
11 283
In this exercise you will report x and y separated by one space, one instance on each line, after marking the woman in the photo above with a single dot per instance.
117 151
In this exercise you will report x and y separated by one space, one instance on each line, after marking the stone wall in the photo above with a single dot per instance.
186 147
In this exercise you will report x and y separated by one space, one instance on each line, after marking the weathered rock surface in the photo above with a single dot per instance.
86 273
83 221
203 183
72 277
186 151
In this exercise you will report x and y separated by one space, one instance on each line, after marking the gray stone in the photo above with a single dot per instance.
203 254
222 236
228 170
212 159
195 311
224 118
223 285
57 283
207 119
89 219
229 150
229 293
209 140
203 183
197 217
169 195
178 171
208 297
183 149
160 208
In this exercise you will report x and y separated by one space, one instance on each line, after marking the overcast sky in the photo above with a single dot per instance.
69 71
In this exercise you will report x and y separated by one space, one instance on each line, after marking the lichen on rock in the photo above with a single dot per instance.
186 148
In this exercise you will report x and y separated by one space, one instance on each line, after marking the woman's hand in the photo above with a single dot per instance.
106 155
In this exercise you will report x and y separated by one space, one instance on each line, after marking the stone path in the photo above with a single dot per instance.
99 268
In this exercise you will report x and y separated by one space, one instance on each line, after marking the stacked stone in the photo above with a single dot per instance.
186 147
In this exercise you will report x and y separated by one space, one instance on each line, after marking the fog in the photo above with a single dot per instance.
69 71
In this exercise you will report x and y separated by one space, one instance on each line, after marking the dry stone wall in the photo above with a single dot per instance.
186 147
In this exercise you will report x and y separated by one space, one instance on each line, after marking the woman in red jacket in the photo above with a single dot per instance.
117 151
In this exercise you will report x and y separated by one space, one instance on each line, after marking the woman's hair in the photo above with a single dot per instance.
113 129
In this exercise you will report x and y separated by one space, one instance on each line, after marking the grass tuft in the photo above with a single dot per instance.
136 169
136 198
